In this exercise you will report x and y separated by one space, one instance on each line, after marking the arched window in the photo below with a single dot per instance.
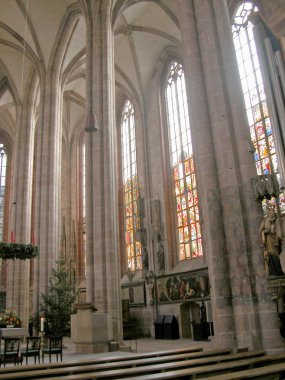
182 163
3 165
84 206
130 187
253 92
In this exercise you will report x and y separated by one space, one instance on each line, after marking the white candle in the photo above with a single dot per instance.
42 324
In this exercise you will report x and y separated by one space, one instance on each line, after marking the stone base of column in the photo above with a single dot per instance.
91 332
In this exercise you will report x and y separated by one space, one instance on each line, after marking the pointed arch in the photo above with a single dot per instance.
182 164
260 126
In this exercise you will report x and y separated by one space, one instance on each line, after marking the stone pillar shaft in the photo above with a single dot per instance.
20 224
207 180
234 169
48 172
101 201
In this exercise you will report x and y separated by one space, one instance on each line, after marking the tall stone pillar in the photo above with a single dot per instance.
207 181
20 224
253 313
47 186
262 318
103 274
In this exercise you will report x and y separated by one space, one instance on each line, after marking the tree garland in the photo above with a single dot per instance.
18 251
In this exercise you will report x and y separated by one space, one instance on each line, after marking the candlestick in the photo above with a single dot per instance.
42 324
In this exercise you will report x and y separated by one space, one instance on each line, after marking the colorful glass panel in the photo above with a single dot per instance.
253 91
183 166
131 187
3 166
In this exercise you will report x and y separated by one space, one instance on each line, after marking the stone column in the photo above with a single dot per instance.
234 168
103 274
19 270
262 316
47 187
207 181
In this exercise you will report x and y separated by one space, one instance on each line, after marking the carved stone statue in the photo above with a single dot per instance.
270 236
157 227
145 263
150 287
160 258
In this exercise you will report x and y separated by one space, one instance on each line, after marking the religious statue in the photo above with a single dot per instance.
160 258
157 226
145 263
144 258
150 292
270 236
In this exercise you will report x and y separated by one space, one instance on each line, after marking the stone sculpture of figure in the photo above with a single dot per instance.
156 225
271 242
150 292
160 257
144 258
145 264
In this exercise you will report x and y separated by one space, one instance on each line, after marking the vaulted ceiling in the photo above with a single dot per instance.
29 34
31 29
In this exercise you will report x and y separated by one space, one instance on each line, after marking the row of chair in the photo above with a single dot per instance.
13 353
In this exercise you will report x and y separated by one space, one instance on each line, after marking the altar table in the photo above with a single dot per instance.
12 331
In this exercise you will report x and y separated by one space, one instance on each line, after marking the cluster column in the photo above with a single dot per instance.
21 199
207 180
103 276
47 184
252 315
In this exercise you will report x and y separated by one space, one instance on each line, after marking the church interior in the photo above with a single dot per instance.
143 144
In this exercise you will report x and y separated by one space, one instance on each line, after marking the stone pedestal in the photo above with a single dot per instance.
91 331
276 288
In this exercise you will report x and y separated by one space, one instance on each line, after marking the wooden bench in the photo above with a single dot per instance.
266 365
96 371
108 359
41 370
170 371
268 372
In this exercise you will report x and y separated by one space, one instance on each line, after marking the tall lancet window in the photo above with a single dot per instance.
183 168
3 165
130 187
253 92
84 204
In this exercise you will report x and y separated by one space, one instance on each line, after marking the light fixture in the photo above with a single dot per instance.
91 123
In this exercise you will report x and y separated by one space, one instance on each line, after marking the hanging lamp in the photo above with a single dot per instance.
91 123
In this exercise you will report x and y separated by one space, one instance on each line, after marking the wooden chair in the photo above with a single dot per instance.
11 352
33 348
54 348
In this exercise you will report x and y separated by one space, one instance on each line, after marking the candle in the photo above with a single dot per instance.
42 324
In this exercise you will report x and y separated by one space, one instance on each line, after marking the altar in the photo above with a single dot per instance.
12 331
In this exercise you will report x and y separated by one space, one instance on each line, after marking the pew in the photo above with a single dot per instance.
169 371
268 372
156 354
101 371
234 370
99 364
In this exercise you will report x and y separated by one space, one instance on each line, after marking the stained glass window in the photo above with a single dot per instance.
189 237
131 187
254 94
84 204
3 165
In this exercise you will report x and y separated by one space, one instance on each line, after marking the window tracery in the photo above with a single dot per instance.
254 94
3 166
130 188
188 226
